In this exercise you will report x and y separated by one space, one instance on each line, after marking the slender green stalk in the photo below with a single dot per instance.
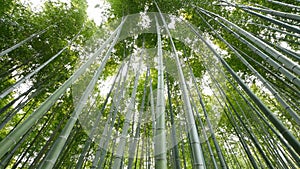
198 161
107 132
118 157
59 143
133 145
23 79
152 108
296 158
204 132
275 29
294 79
16 135
260 77
277 77
40 131
24 41
277 123
273 12
173 128
37 158
217 146
291 65
290 27
236 127
160 142
96 122
284 4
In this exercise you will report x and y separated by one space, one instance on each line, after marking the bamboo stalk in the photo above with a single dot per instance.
173 129
260 77
23 79
275 29
96 122
273 63
295 157
196 148
133 146
283 59
118 157
59 143
160 128
107 132
24 41
272 12
16 135
285 4
277 123
218 149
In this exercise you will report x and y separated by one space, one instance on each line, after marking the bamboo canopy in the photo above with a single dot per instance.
176 84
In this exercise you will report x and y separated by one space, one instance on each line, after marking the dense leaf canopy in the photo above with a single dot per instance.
164 84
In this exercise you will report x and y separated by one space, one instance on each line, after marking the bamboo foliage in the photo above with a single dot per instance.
31 37
225 98
15 136
22 80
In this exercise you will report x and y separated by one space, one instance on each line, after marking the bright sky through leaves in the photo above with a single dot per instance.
95 9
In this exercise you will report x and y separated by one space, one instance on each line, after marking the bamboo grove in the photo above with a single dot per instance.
159 84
